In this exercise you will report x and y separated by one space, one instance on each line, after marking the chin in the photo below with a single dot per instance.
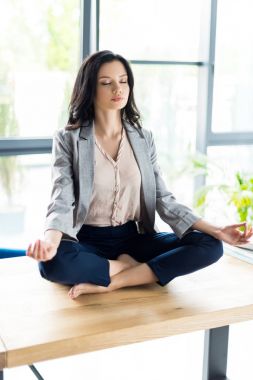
117 107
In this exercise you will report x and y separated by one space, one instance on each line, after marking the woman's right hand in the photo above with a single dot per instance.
42 250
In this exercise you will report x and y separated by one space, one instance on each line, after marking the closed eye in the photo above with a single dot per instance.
105 84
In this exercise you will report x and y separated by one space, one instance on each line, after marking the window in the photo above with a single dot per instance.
25 186
167 97
230 138
193 81
233 81
167 44
39 56
225 164
156 30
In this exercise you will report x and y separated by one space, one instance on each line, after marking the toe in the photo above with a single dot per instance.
72 292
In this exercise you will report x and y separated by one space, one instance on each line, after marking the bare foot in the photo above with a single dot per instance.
87 288
125 258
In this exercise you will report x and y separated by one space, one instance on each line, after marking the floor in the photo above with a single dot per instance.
176 358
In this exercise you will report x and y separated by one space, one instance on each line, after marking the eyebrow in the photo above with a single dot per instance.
104 76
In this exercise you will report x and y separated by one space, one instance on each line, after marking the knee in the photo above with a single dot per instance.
53 271
60 269
214 247
57 269
45 270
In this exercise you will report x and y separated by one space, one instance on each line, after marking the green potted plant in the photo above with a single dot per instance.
237 193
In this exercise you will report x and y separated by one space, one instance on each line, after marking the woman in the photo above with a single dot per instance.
100 233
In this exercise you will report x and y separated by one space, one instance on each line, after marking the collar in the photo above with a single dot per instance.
88 129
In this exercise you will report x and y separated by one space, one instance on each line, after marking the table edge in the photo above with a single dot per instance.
124 336
3 354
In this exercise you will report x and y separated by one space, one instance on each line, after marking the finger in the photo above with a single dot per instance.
31 250
240 243
238 224
249 234
35 250
245 230
28 251
40 255
243 242
43 252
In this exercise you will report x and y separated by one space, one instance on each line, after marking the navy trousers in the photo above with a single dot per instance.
166 254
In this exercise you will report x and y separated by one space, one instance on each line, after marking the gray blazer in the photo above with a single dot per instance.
73 173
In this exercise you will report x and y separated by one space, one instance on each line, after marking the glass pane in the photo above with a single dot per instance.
233 85
225 165
160 30
167 99
39 56
25 186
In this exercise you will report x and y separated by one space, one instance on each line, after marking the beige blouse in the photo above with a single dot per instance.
116 190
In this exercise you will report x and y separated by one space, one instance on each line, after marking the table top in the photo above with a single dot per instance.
38 321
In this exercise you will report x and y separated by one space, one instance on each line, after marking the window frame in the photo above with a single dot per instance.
14 146
219 138
89 42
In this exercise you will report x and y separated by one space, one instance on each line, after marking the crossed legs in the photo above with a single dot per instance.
167 255
158 257
125 271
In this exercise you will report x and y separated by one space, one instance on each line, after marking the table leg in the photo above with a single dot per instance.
215 354
36 372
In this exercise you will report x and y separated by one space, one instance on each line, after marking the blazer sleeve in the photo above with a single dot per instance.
178 216
60 209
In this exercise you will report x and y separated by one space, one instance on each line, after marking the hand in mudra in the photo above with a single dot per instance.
42 250
233 235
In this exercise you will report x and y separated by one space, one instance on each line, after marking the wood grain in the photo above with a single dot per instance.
38 321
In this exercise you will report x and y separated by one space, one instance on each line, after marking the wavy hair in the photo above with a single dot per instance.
81 107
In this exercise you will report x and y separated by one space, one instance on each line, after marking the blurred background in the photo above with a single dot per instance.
192 64
193 67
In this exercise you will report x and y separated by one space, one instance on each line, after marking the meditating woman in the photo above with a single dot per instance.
100 230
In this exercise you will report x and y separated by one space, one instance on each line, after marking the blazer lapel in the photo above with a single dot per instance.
86 153
85 167
140 149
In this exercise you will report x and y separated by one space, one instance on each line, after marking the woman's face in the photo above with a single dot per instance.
112 86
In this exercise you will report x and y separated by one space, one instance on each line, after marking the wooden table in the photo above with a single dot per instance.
39 322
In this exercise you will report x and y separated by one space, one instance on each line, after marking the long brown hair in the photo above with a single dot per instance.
81 107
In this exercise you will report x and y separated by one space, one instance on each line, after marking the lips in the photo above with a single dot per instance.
117 99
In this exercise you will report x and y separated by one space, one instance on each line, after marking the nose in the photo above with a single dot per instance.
117 90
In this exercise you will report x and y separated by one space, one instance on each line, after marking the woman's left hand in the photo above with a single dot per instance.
232 235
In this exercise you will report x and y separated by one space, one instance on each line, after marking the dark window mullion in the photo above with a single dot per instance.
97 23
85 40
21 146
176 63
205 92
230 138
212 45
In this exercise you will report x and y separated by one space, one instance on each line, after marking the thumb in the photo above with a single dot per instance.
238 224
